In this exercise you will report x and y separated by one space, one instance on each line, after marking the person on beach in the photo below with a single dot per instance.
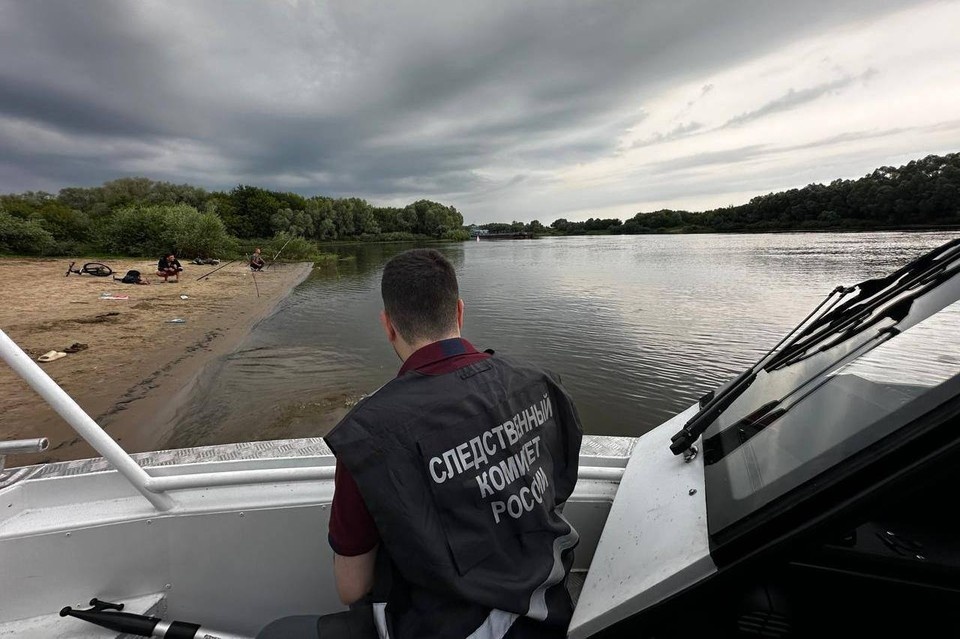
450 482
256 261
169 266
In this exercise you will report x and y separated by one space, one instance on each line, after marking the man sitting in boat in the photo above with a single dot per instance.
450 481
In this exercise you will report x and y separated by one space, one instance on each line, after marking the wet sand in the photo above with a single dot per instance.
138 366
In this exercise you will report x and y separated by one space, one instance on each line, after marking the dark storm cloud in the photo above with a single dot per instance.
28 98
382 100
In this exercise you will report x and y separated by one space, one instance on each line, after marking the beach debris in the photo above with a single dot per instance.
177 320
76 347
111 296
51 356
184 297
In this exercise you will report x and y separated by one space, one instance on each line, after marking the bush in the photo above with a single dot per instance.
195 234
457 235
66 225
296 249
138 231
156 230
25 237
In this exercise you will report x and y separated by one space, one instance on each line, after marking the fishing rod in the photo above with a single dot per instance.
215 270
278 253
101 614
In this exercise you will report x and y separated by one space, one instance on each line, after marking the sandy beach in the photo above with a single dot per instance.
137 364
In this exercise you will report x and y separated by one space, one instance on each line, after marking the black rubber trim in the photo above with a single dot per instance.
181 630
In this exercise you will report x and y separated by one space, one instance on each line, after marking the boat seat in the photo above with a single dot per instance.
360 624
53 626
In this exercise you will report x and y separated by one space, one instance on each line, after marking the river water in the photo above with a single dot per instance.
637 327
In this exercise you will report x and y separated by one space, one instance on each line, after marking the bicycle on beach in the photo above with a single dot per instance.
90 268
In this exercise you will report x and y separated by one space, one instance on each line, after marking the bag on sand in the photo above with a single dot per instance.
132 277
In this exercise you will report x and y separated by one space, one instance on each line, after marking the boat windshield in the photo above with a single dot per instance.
828 394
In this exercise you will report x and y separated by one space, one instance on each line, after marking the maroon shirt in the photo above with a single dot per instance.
352 530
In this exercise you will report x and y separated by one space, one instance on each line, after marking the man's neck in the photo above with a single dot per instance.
406 350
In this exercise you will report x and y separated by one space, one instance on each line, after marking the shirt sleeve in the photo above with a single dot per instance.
352 530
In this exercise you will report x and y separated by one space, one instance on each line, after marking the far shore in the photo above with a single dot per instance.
137 364
943 228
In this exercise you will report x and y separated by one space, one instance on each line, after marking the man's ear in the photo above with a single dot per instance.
460 314
388 327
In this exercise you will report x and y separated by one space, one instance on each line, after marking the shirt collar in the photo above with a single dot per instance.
435 352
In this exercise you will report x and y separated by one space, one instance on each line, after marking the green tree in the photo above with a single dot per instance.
535 227
292 222
344 218
250 212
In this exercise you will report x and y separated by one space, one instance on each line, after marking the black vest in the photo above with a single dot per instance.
465 474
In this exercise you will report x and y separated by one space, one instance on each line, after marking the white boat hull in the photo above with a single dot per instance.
245 543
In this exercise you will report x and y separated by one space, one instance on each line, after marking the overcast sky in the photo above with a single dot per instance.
506 110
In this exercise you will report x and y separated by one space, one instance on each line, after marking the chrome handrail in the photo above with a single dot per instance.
83 424
22 447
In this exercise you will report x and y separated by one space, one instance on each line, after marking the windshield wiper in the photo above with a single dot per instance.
850 318
713 405
729 439
841 319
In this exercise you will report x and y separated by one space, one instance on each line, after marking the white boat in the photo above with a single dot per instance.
813 495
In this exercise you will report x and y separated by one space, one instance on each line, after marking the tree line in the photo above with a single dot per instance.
922 193
139 216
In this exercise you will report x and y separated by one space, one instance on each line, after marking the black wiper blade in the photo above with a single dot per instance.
695 427
866 315
718 403
728 440
841 320
848 318
896 312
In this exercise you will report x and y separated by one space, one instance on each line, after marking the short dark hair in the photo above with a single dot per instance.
420 294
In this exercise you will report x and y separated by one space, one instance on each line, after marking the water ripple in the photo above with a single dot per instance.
637 327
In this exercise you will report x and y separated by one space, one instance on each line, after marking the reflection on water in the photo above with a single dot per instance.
638 327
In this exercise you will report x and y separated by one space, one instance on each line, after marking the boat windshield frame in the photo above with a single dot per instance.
755 456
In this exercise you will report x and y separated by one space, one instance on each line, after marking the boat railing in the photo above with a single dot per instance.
21 447
155 488
83 424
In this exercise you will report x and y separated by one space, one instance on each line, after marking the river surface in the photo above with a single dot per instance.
637 327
